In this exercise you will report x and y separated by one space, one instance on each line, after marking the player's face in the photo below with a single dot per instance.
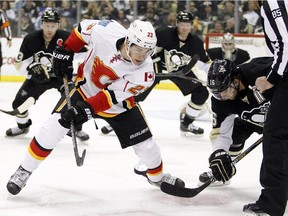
139 54
228 46
49 29
228 94
184 28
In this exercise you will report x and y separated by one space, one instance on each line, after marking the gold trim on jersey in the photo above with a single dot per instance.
78 34
59 108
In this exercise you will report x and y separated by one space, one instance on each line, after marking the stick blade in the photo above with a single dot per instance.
12 113
183 192
80 160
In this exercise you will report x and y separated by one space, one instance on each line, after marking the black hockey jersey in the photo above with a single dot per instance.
175 56
245 105
33 50
239 55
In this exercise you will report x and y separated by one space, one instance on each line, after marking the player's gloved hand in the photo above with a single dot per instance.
221 165
39 73
63 62
79 114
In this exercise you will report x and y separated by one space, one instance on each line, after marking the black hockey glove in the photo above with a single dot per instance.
63 62
39 73
221 165
79 114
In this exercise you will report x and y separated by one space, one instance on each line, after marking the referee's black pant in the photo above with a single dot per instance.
274 168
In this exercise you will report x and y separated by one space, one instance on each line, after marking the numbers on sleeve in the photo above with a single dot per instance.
135 90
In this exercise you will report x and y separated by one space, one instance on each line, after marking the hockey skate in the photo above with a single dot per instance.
170 180
18 180
80 134
16 131
20 129
189 129
204 177
254 209
106 129
141 169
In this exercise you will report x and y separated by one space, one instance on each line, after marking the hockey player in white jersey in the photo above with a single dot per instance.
118 67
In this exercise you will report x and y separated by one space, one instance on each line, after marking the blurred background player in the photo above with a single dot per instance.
175 48
237 112
5 27
34 61
229 51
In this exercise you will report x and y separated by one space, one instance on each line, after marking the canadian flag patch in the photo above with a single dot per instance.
149 76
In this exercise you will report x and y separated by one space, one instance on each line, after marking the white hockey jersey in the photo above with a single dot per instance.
108 81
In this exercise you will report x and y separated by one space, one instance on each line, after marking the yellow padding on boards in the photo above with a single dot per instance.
12 78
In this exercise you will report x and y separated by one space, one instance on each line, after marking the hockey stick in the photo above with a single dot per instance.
191 192
24 107
79 160
258 96
183 72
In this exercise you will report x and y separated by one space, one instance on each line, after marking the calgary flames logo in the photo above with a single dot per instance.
102 75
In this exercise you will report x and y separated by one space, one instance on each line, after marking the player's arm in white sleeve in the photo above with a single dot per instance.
120 90
221 137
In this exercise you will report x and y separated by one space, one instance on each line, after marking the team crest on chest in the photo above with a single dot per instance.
175 59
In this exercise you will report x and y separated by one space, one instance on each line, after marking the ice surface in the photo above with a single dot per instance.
106 184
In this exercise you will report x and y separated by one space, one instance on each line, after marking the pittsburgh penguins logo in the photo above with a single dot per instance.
256 115
175 60
45 59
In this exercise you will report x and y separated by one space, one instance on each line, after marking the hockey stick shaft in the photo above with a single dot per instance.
191 192
258 96
79 160
181 74
175 75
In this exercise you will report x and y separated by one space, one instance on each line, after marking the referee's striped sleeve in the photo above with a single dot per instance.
275 18
5 25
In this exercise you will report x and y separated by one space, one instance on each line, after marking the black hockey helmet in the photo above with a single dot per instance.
220 75
185 16
50 15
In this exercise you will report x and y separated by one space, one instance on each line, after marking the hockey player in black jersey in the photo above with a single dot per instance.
34 61
175 48
237 111
228 50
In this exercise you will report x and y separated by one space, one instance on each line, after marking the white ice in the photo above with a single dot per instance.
106 184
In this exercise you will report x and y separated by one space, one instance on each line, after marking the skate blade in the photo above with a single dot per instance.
190 134
83 142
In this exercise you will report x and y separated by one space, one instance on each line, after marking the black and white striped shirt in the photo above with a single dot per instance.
5 25
275 23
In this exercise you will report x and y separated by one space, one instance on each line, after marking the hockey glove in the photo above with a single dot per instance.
39 73
221 165
63 62
79 114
